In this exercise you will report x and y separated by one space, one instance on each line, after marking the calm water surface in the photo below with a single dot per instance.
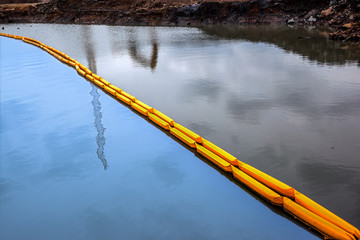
77 164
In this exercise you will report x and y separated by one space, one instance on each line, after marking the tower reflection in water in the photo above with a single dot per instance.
135 54
100 137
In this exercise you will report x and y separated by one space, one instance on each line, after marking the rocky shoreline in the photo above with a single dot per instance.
342 17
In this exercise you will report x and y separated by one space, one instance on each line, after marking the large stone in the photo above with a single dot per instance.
291 21
327 12
188 10
311 13
312 19
347 26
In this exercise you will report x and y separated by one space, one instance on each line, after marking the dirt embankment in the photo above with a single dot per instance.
342 16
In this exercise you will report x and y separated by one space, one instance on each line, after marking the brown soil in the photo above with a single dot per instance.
343 16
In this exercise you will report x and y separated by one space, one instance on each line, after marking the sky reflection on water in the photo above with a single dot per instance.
271 99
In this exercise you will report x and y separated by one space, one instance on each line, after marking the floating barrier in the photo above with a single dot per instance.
315 221
183 137
188 133
139 108
267 180
271 189
258 187
222 153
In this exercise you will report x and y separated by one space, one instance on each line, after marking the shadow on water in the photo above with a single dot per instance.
100 138
311 43
134 53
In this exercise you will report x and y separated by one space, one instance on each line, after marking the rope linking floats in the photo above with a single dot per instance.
274 191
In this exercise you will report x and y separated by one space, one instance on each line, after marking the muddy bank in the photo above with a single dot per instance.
341 16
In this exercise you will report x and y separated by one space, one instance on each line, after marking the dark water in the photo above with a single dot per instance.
289 106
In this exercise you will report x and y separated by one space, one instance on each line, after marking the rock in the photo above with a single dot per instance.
157 5
332 2
188 10
347 26
291 21
327 12
312 19
311 14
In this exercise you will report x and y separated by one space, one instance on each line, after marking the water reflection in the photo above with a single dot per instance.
202 127
100 137
100 225
134 200
310 43
182 226
168 172
336 179
135 53
208 89
268 107
7 186
248 110
301 101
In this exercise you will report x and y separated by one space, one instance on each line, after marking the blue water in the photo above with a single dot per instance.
76 164
285 105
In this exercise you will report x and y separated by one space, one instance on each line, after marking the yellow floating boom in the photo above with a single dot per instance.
271 189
